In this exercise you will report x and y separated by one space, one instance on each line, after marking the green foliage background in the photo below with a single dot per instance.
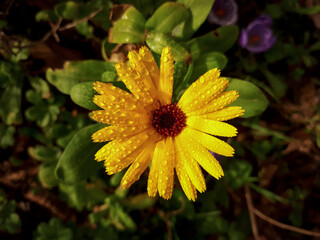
50 185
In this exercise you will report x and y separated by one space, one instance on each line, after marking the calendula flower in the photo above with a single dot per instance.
146 127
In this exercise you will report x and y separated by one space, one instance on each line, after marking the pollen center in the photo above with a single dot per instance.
168 120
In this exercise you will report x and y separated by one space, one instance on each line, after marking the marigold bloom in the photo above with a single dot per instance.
146 127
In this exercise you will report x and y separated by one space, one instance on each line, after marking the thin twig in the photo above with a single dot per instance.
75 23
57 28
166 217
251 212
284 226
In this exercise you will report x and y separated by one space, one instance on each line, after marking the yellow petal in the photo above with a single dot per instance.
217 103
190 164
202 91
153 173
112 93
212 127
139 66
151 65
116 165
184 179
204 157
166 168
122 103
133 82
121 148
224 114
121 117
138 166
166 76
212 143
112 132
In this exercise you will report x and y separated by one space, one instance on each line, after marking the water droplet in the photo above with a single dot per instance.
166 50
202 80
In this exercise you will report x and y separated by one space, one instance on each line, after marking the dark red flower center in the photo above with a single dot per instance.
220 12
254 39
168 120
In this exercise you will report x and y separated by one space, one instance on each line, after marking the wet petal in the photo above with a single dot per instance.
138 166
184 179
202 91
203 157
166 76
212 127
112 132
139 66
151 65
132 80
224 114
166 158
211 143
190 164
121 148
217 103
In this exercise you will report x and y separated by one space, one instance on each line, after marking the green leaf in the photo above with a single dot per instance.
46 15
78 71
82 94
167 17
276 82
10 103
237 173
77 161
206 62
211 223
141 201
199 11
219 40
6 136
47 174
180 70
44 153
157 41
42 114
251 98
269 195
72 10
129 28
85 29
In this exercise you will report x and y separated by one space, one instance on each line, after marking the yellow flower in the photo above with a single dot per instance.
146 127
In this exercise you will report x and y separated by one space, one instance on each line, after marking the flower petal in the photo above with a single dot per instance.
112 132
121 117
138 166
166 158
203 157
138 65
184 179
212 127
121 148
211 143
131 78
151 65
217 103
224 114
190 164
202 91
166 76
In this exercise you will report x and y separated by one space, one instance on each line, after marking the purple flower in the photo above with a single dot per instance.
258 36
223 12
